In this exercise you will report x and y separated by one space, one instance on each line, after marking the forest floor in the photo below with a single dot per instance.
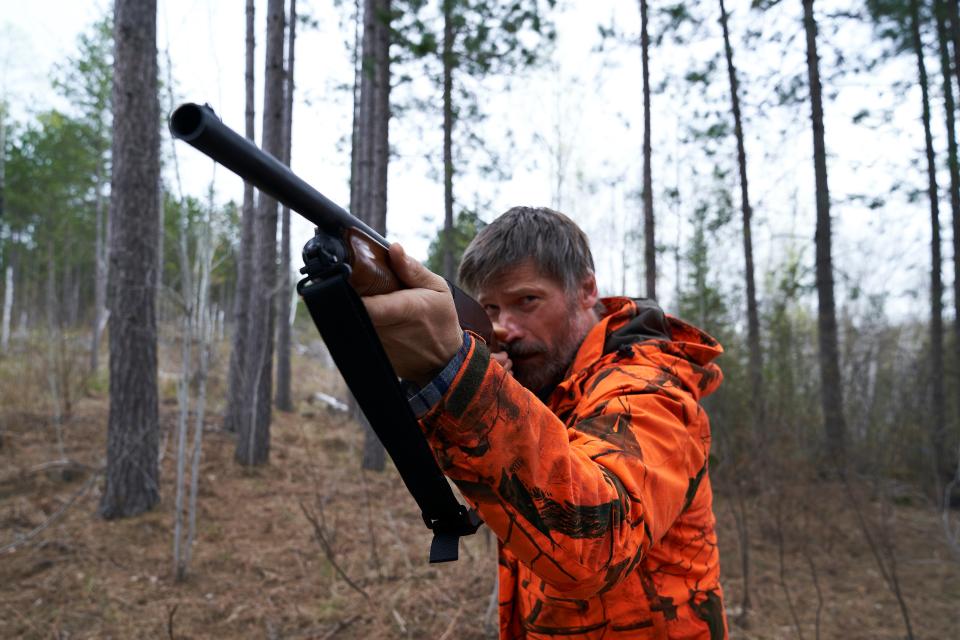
261 570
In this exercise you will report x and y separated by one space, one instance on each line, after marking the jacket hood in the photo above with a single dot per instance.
629 321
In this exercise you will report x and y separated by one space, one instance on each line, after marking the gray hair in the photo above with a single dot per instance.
551 240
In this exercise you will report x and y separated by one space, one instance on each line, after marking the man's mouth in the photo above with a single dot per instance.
519 353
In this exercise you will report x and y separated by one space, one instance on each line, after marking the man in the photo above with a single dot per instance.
582 445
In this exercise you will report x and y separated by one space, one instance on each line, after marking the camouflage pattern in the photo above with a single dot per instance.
600 498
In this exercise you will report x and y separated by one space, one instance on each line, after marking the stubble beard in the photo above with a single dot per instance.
543 374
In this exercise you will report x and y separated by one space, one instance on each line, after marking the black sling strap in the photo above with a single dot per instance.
350 337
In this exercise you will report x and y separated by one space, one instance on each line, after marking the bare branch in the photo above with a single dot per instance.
55 516
321 537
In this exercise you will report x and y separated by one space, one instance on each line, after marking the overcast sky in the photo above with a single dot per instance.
583 111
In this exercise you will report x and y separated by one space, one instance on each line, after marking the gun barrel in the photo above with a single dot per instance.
200 127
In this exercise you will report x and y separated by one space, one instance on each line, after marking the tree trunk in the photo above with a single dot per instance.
448 62
8 278
650 245
753 320
945 35
100 275
938 402
8 281
284 399
183 400
253 437
132 435
59 392
237 376
831 391
381 119
3 168
196 331
205 336
369 181
355 140
187 336
359 157
362 198
7 309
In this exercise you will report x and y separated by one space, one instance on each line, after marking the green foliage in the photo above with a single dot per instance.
466 227
50 184
891 21
87 80
57 168
498 37
701 300
489 39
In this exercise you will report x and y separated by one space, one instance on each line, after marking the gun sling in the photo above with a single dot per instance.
350 337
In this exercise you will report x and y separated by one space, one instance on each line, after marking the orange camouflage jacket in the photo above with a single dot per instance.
600 498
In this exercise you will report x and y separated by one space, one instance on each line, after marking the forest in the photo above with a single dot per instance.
181 458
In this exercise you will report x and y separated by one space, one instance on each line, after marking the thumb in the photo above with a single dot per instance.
413 274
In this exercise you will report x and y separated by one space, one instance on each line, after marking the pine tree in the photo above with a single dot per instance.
831 389
284 399
132 476
368 184
253 436
937 407
237 375
753 320
649 229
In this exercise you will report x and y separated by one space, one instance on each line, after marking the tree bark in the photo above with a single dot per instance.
238 376
100 275
753 319
948 33
938 402
196 331
650 245
253 438
448 62
355 139
8 282
362 198
284 399
3 165
381 118
831 390
369 184
132 434
7 308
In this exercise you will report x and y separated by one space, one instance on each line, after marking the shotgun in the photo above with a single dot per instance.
344 260
361 247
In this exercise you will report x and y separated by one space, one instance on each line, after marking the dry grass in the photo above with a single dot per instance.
258 570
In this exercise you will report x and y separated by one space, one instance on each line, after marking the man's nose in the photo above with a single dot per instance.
506 329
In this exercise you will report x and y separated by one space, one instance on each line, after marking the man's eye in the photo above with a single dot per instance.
491 309
528 300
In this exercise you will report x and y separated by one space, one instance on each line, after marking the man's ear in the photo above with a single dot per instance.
588 293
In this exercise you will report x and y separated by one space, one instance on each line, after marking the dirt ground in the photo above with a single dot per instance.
259 569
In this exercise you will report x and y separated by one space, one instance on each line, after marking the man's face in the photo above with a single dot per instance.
538 322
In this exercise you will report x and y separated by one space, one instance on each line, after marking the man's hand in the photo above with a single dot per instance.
417 326
503 359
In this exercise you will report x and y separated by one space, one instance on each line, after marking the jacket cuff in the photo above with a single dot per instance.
424 399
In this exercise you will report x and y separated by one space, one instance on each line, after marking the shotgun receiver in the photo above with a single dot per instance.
362 248
344 260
